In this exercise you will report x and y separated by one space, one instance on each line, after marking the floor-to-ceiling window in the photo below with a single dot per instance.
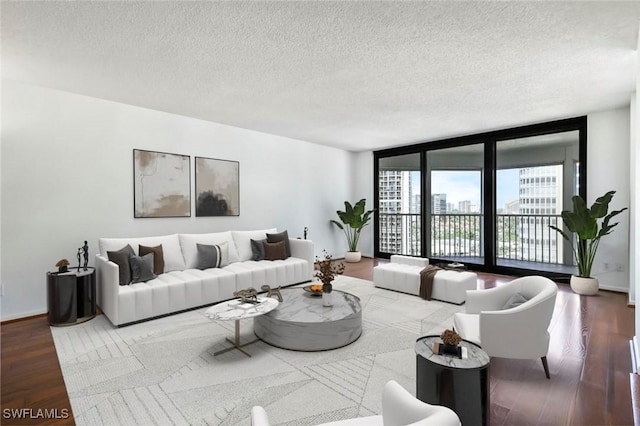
455 203
485 199
535 180
399 201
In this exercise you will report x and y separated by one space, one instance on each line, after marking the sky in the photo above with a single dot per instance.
466 185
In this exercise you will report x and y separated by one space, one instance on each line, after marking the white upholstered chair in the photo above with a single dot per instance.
399 408
519 332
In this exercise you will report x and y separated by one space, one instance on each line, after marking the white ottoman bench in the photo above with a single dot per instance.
403 274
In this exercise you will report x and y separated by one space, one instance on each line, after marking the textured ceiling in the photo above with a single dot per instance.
355 75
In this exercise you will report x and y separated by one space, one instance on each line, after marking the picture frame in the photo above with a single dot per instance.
162 184
217 187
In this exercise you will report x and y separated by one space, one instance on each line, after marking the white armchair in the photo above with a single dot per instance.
399 408
519 332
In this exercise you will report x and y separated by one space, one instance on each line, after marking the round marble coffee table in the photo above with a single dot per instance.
301 323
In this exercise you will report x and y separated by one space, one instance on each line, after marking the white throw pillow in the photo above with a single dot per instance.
190 251
242 239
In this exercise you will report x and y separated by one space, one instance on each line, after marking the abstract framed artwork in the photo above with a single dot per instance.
217 187
162 184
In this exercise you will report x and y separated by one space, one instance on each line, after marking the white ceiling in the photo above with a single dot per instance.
355 75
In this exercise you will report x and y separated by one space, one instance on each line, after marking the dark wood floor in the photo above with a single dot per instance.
589 361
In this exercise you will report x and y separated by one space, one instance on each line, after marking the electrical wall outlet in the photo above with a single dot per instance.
606 266
1 290
619 267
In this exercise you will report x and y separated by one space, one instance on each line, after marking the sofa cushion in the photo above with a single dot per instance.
257 248
212 256
242 240
282 236
121 258
190 250
172 254
142 268
275 251
158 257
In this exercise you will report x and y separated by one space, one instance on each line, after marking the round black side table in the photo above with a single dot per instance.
460 384
71 296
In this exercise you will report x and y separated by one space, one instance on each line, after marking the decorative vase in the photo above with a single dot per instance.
585 286
327 299
352 256
62 269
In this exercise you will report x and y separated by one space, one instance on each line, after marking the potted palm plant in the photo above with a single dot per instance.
354 218
583 222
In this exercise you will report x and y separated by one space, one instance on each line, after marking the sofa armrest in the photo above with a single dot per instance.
520 332
303 249
409 260
108 287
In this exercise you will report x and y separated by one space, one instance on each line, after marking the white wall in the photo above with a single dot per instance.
634 206
67 176
608 142
362 178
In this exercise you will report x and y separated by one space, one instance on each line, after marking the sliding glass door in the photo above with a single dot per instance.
399 218
455 203
536 178
485 200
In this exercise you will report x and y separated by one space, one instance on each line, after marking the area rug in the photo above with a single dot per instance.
163 371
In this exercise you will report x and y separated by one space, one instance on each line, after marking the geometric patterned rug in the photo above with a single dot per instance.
163 371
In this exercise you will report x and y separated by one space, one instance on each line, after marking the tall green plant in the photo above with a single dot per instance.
583 222
355 218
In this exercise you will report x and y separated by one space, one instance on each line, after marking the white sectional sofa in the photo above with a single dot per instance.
182 286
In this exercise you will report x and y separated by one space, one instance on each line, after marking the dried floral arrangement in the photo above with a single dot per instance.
450 337
62 262
327 269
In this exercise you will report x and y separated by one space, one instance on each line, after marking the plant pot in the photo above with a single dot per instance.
352 256
584 286
62 269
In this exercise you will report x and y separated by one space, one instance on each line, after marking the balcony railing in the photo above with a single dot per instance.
518 237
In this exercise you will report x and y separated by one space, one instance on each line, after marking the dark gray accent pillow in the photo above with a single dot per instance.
275 251
282 236
121 258
158 257
257 248
516 299
142 268
209 256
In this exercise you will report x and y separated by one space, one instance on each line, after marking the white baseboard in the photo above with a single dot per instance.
21 315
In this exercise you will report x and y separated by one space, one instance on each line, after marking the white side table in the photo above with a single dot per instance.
235 310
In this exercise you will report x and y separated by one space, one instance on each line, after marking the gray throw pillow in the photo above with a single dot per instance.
516 299
142 268
257 248
282 236
212 256
121 258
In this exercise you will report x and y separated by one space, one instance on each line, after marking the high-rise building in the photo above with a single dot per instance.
397 197
512 207
467 206
540 199
438 203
